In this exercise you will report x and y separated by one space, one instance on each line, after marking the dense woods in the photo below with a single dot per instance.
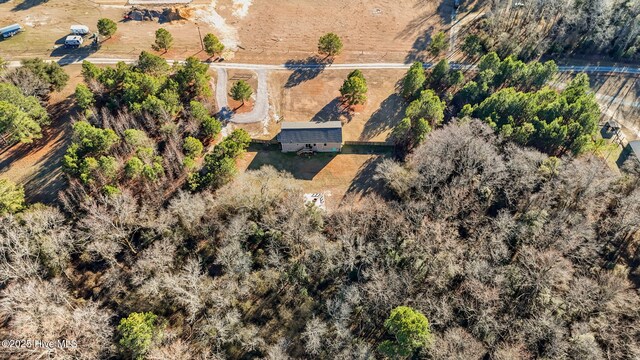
494 234
507 252
509 95
530 29
145 127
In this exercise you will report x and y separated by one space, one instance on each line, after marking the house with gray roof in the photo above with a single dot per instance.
311 136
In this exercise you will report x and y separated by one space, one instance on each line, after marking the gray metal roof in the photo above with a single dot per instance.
311 133
635 148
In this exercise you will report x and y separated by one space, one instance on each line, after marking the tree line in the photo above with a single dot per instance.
531 29
478 249
146 126
510 95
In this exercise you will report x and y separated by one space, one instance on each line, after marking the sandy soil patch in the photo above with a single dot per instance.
228 34
241 8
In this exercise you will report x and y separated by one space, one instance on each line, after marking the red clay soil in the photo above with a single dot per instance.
37 166
238 108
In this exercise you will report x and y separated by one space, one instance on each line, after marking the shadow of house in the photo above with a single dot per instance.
419 49
387 116
301 168
305 70
626 155
333 111
27 4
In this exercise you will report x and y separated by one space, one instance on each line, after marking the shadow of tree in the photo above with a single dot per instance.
333 111
306 69
390 113
364 183
419 48
45 183
27 4
445 11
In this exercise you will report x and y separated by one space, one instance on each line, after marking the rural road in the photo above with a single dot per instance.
351 66
261 109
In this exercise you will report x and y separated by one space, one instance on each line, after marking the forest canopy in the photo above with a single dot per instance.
481 249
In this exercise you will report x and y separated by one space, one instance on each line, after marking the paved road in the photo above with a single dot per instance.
351 66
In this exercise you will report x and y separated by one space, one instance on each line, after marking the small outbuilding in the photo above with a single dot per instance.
311 136
612 126
9 31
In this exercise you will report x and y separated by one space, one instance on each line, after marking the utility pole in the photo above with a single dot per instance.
200 35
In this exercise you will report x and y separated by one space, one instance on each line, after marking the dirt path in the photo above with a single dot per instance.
261 108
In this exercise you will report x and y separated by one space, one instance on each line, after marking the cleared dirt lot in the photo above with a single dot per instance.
37 166
313 96
347 175
266 31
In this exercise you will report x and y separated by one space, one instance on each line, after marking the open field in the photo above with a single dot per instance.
47 24
265 31
345 175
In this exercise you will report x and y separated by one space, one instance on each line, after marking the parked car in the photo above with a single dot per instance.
73 41
79 29
9 31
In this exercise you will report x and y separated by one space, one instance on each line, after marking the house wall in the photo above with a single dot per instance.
328 147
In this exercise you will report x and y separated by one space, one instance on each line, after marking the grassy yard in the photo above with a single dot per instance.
344 175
